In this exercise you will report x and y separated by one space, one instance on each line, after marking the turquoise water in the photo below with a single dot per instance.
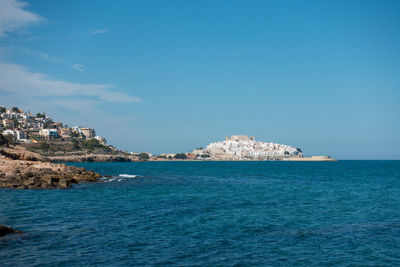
211 214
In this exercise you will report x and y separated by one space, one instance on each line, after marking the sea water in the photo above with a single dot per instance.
211 214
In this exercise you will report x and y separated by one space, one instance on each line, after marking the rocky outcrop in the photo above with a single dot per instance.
93 157
242 147
20 153
4 230
35 173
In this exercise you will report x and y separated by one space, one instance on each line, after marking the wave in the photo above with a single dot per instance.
128 175
118 178
107 180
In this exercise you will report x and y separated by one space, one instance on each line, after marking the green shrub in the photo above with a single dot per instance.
75 134
180 156
3 140
41 115
91 143
144 156
75 144
44 146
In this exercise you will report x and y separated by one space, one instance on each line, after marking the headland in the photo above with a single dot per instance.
31 144
22 169
244 148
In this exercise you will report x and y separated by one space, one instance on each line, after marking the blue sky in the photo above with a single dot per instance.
169 76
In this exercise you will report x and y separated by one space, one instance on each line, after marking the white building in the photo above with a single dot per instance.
21 135
101 140
7 123
88 132
9 132
241 147
49 133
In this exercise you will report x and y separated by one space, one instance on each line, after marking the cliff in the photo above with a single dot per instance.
92 157
79 151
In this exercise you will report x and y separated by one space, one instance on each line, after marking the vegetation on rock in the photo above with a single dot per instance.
6 140
180 156
144 156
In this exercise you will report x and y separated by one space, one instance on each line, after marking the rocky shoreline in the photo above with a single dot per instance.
92 158
22 169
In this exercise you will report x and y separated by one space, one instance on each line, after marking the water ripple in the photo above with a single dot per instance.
211 214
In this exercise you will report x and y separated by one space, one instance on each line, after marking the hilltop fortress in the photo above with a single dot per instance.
242 147
58 142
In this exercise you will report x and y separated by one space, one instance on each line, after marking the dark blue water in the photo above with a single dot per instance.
211 214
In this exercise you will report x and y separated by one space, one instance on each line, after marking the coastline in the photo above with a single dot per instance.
312 158
255 160
92 158
22 169
25 169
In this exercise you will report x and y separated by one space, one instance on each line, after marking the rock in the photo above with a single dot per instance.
68 157
17 172
21 153
63 184
4 230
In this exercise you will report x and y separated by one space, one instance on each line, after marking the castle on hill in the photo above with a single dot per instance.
242 147
239 138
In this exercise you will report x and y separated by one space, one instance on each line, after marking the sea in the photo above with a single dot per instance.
269 213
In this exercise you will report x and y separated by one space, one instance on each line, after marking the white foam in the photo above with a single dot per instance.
128 175
107 180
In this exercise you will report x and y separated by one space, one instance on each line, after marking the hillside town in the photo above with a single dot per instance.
60 142
26 127
242 147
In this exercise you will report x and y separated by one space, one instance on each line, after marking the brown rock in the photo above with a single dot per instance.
21 174
63 184
4 230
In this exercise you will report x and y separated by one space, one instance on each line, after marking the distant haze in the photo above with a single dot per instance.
171 76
